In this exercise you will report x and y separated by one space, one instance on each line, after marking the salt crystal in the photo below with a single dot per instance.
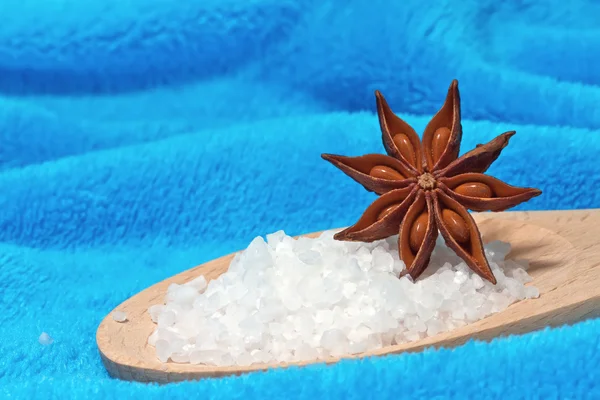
270 313
497 250
499 302
349 289
515 288
374 341
153 338
387 339
448 305
434 327
399 338
206 342
275 238
119 316
177 345
472 314
210 357
363 254
276 328
289 333
168 334
521 275
412 336
498 273
304 244
184 295
237 291
485 309
462 267
305 352
286 245
420 325
332 337
358 347
285 300
424 312
237 264
532 292
251 278
398 267
163 350
292 302
250 324
458 313
244 360
260 357
215 302
475 300
310 257
257 254
477 282
167 318
45 339
198 283
335 341
224 359
180 358
333 291
155 311
304 325
447 269
172 287
461 277
382 260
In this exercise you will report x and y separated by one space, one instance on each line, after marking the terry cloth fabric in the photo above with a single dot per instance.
141 138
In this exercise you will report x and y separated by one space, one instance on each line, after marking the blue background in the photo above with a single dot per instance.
141 138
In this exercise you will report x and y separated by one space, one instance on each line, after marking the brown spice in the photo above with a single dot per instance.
424 187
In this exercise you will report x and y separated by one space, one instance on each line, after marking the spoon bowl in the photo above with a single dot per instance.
564 261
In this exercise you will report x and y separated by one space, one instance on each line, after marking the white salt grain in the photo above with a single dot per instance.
45 339
285 300
167 318
153 338
198 283
163 350
335 341
532 292
305 352
521 275
119 316
477 282
155 311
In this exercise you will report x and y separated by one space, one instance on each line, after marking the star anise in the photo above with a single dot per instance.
424 187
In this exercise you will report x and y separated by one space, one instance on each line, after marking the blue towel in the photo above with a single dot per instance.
141 138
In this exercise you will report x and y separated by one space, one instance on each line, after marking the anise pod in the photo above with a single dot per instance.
425 188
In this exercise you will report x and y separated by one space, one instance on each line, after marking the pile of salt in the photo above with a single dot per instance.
295 300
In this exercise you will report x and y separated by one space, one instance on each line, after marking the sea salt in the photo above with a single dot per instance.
45 339
119 316
287 300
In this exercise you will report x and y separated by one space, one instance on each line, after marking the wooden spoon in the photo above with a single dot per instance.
563 248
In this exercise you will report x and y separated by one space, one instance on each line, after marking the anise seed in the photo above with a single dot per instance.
405 147
383 213
456 226
383 172
439 142
418 230
474 189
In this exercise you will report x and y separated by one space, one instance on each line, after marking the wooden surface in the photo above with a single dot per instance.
563 248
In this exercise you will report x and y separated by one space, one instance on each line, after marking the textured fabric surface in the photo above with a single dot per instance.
140 138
